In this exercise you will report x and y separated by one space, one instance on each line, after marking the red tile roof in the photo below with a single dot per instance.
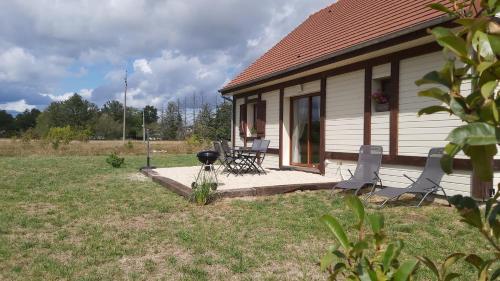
335 28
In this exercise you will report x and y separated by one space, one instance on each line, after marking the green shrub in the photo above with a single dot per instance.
194 140
129 145
115 161
58 135
64 135
28 136
82 135
203 193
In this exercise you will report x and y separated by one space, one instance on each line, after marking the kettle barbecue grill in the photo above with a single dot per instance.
207 173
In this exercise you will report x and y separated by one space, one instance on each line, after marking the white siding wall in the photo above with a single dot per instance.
344 123
272 117
381 71
418 134
239 141
344 112
271 161
303 89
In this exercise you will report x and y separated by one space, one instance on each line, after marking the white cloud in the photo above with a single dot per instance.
85 93
142 65
176 47
18 106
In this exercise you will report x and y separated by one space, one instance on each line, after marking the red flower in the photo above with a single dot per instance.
379 97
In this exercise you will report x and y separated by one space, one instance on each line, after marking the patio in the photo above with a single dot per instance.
276 181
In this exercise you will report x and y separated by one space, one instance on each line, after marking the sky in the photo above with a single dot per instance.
172 49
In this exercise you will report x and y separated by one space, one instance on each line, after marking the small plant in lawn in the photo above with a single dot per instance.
129 145
115 161
371 256
204 192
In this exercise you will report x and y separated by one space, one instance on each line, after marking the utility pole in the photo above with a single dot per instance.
143 125
185 114
194 106
125 106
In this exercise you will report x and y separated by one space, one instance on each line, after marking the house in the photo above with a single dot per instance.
311 94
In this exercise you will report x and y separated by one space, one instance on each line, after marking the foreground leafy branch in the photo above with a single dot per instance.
374 256
371 256
472 52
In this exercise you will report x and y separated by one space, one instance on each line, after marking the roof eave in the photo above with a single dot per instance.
427 24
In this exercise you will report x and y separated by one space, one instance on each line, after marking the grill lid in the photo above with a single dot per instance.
207 157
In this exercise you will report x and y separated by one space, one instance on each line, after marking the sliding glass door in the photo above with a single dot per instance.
305 136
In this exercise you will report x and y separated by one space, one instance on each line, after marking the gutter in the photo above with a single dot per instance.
417 27
226 98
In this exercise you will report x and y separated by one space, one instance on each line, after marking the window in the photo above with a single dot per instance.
381 94
253 119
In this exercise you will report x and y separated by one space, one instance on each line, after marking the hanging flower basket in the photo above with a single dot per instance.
381 101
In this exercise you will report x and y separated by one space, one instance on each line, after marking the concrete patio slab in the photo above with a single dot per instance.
179 180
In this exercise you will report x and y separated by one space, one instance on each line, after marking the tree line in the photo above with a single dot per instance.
86 119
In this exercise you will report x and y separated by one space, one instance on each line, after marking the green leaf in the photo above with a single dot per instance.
481 157
367 274
436 93
493 221
434 77
483 274
376 222
388 257
468 210
450 150
459 108
429 264
447 39
451 276
492 4
336 229
475 260
442 8
359 247
355 204
449 261
478 133
405 271
496 274
481 44
484 66
494 43
336 270
326 261
433 109
488 88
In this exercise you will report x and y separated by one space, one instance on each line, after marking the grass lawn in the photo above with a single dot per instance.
76 218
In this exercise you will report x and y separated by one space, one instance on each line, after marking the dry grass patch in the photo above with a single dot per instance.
92 148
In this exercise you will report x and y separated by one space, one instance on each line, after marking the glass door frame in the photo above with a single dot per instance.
309 144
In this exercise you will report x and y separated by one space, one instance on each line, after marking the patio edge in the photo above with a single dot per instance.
186 191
